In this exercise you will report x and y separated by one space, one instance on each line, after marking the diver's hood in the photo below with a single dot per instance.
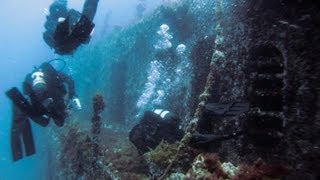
39 84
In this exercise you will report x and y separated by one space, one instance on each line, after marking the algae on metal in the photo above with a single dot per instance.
163 154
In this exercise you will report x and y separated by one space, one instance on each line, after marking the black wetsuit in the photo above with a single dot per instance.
55 89
33 108
66 36
153 128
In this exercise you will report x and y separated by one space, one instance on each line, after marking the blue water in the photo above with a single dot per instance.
21 48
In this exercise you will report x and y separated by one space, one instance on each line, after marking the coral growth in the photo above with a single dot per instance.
112 157
260 170
163 154
122 156
206 166
223 53
98 107
80 156
229 168
163 157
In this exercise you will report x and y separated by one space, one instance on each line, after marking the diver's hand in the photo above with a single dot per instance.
47 103
42 120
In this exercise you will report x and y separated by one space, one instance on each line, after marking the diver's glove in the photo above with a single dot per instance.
47 103
76 103
42 120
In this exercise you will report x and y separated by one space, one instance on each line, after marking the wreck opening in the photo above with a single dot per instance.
265 94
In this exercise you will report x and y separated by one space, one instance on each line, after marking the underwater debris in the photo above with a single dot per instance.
98 107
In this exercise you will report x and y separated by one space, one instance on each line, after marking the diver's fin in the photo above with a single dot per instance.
218 108
82 29
21 102
21 131
237 108
228 109
201 139
18 100
15 141
27 138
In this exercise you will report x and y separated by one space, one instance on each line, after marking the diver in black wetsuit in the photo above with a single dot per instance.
155 126
45 90
67 29
159 125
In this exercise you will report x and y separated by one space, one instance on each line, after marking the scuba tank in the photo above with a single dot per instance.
162 113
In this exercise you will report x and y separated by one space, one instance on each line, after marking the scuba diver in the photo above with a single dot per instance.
158 125
67 29
45 99
155 126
